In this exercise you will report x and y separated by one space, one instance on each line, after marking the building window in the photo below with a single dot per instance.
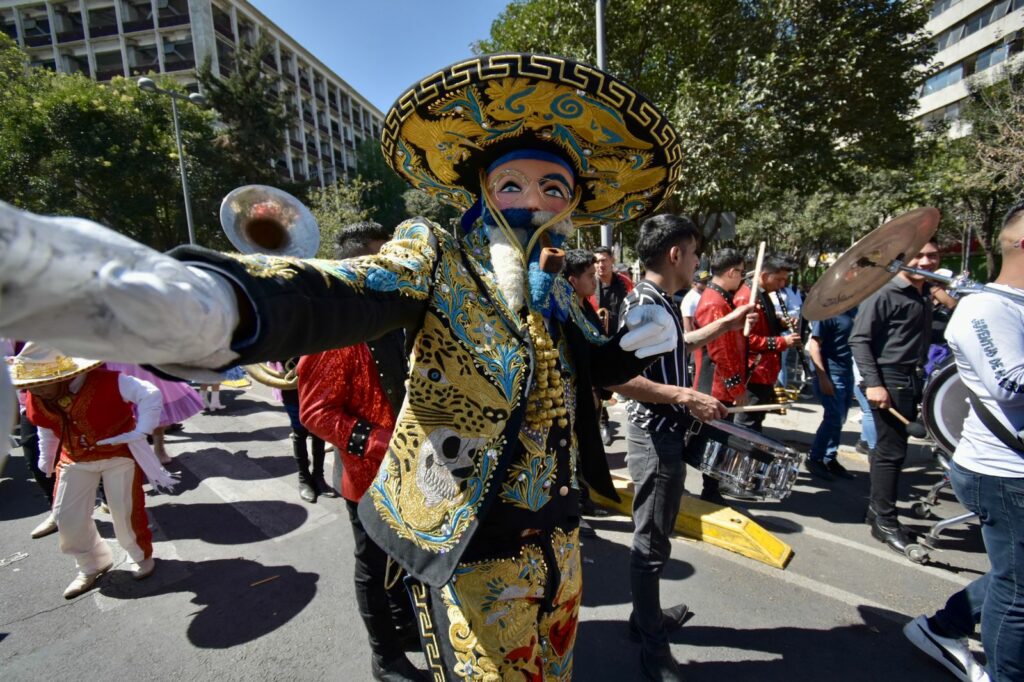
943 79
941 6
992 56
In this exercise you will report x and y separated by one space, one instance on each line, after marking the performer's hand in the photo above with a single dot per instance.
126 437
652 331
702 406
739 316
791 340
94 293
825 385
741 400
878 397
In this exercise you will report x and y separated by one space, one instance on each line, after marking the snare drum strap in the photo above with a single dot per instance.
995 426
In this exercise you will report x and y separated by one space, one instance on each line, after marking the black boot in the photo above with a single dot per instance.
395 669
890 532
322 487
659 666
307 491
672 619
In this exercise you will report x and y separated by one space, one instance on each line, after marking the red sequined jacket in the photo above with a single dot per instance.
342 400
765 344
728 352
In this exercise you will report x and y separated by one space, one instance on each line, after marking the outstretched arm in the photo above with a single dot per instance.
92 292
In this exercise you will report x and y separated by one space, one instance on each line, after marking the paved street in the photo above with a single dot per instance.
253 583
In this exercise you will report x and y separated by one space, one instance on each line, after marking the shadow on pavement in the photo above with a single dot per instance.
240 600
270 433
873 649
20 494
237 523
606 581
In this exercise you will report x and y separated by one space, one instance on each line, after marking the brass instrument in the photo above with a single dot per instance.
285 380
258 219
794 328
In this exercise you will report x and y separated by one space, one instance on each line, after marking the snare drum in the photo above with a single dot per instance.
748 461
945 407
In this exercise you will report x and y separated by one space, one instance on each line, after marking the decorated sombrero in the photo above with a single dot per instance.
443 130
38 365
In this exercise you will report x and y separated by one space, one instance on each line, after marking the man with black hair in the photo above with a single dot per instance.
890 340
661 408
987 473
612 287
580 270
360 239
768 338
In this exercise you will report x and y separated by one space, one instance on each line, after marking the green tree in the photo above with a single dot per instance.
250 105
385 191
419 203
769 97
337 206
71 146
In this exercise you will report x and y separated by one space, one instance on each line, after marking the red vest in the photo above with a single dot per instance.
96 412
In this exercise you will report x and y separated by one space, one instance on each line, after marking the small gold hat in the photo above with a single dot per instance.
38 365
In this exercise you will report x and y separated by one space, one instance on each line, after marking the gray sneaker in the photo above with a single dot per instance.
952 654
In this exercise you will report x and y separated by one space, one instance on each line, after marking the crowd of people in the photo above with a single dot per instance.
460 377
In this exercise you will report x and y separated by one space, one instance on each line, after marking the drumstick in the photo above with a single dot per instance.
756 408
755 284
913 428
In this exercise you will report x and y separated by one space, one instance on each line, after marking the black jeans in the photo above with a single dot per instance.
655 463
904 389
384 611
757 394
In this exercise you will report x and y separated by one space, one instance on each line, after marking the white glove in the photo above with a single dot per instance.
652 331
94 293
127 437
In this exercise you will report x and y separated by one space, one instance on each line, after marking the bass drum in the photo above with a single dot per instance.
945 407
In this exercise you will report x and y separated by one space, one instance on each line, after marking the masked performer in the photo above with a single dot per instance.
89 432
476 497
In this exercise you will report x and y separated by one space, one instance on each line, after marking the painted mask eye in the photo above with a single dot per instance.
433 374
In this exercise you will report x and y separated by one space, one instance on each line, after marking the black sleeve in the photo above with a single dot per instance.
867 326
300 307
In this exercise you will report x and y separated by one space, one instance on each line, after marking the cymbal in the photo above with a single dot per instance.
863 268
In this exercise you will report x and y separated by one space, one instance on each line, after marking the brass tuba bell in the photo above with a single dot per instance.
267 220
259 219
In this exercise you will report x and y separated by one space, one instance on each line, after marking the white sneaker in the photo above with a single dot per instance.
144 568
952 654
84 582
48 526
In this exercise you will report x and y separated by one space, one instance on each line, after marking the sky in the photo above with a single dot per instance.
381 47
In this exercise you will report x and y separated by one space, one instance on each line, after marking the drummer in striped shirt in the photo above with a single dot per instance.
660 410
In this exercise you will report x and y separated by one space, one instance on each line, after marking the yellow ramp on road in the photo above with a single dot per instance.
714 524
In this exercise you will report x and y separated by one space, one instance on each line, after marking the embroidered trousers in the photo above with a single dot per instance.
504 619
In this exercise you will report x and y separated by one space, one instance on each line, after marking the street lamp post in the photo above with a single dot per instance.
606 230
148 85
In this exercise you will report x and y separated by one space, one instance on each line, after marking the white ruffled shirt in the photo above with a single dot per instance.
148 403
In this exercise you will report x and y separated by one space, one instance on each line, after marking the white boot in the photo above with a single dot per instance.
215 401
205 395
48 526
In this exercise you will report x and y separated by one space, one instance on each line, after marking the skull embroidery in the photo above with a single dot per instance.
444 459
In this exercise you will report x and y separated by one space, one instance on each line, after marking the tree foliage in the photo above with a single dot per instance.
71 146
384 196
770 97
249 104
337 206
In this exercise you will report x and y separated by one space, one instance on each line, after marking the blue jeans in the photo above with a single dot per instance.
867 420
837 407
998 596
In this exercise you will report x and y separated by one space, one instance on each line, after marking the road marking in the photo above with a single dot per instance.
887 554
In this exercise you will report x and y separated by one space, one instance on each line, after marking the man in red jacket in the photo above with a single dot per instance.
92 427
768 338
349 397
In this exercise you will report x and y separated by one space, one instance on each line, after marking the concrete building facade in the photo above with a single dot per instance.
107 38
974 39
